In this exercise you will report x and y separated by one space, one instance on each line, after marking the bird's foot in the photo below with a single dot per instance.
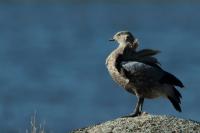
144 113
132 115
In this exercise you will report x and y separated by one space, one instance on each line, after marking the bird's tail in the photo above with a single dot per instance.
175 99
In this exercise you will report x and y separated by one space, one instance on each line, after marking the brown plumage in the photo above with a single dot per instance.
140 73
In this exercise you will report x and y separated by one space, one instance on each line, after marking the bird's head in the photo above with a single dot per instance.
125 37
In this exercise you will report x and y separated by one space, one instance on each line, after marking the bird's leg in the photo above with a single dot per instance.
138 108
141 104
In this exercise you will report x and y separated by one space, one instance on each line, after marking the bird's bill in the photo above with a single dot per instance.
111 39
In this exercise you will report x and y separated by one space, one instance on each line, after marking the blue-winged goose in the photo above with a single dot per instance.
140 73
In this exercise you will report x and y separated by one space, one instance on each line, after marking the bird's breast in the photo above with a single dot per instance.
116 76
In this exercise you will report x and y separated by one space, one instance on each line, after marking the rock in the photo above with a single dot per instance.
144 124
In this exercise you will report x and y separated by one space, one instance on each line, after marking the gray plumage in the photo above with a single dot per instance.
140 73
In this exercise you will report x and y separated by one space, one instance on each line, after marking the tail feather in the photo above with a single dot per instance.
175 99
177 93
176 103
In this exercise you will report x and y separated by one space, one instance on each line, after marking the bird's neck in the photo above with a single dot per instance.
122 44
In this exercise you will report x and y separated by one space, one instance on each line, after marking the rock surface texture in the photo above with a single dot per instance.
144 124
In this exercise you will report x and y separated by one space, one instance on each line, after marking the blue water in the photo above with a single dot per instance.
52 61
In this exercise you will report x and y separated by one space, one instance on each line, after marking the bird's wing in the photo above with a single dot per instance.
148 75
145 53
152 61
142 74
145 56
171 79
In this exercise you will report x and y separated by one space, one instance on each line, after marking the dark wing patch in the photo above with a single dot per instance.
152 61
141 72
145 53
144 56
171 79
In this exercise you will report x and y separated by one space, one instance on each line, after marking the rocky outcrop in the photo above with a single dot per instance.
144 124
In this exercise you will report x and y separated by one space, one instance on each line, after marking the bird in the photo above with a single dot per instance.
140 73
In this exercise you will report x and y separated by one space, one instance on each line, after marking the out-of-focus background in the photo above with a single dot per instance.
52 56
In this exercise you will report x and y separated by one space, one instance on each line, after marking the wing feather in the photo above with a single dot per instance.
140 71
145 53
